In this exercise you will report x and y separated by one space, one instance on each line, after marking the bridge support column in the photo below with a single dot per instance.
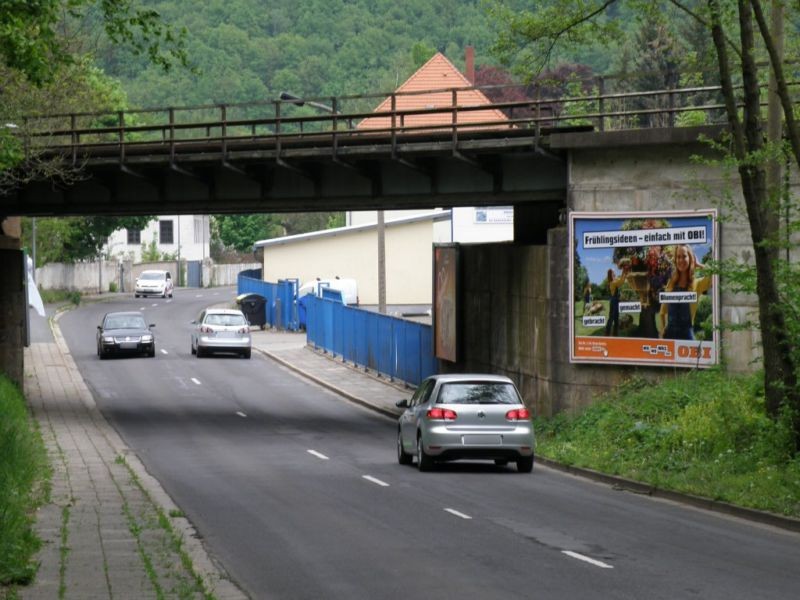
13 303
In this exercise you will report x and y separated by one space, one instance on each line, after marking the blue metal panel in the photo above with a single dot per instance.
394 347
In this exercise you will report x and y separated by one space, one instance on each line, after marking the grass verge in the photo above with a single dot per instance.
704 433
24 486
58 296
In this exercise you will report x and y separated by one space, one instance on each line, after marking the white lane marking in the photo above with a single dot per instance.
591 561
458 514
170 300
216 294
317 454
164 351
141 308
198 295
154 304
241 414
375 480
196 380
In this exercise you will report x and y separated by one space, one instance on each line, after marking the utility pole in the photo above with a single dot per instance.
381 264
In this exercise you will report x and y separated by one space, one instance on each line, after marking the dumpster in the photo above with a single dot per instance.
254 307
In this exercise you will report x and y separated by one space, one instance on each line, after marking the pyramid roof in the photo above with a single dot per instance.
436 74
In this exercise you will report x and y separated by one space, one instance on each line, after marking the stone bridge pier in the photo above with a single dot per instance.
13 303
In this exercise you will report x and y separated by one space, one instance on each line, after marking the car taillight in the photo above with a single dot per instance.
518 414
441 414
206 329
243 330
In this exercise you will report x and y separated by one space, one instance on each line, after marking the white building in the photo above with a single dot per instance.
179 236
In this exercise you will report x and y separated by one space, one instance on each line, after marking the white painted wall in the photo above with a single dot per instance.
470 224
190 231
354 253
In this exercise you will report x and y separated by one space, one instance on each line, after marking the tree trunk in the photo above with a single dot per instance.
779 368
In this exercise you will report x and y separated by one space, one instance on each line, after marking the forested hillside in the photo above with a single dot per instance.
245 50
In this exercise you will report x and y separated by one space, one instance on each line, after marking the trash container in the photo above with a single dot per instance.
254 307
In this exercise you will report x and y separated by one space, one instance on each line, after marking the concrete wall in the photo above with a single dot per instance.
353 254
514 298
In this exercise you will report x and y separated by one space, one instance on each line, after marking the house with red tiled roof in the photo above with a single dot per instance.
436 86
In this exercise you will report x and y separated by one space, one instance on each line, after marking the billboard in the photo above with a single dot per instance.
445 302
639 291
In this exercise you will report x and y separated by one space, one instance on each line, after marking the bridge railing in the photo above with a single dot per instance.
451 113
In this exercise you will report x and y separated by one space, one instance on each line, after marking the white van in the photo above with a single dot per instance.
348 287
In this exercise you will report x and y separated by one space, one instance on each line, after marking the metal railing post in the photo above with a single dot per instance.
601 104
455 119
73 120
223 110
121 135
171 135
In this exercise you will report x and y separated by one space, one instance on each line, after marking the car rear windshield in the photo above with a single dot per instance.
477 393
227 320
155 276
125 323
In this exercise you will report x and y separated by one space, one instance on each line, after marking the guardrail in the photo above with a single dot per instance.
176 130
398 349
280 308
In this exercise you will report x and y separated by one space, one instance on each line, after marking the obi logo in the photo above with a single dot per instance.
694 352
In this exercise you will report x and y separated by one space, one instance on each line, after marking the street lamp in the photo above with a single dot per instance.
297 101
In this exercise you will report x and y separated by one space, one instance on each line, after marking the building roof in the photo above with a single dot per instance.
439 215
436 74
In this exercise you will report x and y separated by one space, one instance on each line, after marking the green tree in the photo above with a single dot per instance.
71 239
741 34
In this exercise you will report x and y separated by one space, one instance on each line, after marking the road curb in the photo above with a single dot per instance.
637 487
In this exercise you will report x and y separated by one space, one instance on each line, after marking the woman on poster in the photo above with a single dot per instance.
677 318
614 287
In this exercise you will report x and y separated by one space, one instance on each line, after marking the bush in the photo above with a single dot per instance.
24 483
59 296
112 287
704 433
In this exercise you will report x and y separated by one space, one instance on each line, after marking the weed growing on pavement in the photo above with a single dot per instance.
24 486
704 433
58 296
63 552
183 586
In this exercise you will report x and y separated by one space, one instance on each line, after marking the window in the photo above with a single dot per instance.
198 230
165 232
134 236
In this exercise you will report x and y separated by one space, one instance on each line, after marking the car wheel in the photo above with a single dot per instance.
246 353
170 294
136 295
525 464
102 355
199 352
192 349
152 352
500 462
403 457
424 462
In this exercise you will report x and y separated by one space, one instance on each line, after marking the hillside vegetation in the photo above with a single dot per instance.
704 433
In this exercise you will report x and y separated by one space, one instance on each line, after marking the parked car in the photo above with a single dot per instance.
153 283
125 333
221 330
458 416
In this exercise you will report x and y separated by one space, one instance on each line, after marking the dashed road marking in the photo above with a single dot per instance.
591 561
241 414
196 380
154 304
457 513
164 351
375 480
317 454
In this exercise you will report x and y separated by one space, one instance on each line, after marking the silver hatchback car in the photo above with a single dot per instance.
221 330
458 416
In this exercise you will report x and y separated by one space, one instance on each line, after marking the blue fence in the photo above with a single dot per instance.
280 308
393 347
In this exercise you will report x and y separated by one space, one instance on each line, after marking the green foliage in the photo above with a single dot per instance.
24 485
240 232
32 40
71 239
59 296
704 433
112 286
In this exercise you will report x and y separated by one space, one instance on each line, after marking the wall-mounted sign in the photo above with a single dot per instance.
445 302
639 289
493 215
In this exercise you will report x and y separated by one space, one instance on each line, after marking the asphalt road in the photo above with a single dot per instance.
299 495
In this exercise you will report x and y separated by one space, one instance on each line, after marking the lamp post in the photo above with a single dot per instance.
381 228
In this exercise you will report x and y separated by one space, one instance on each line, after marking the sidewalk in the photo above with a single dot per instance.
110 531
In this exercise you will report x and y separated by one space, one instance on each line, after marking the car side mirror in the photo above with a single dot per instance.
152 325
99 328
401 403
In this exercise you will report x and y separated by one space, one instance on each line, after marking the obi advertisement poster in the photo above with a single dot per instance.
641 292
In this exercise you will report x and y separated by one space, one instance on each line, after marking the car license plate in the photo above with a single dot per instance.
482 440
128 346
226 334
